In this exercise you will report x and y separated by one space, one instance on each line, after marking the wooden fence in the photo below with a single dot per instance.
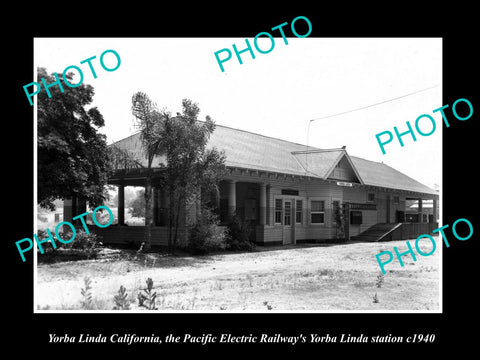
412 230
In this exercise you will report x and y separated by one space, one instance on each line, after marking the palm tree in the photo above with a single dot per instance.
149 120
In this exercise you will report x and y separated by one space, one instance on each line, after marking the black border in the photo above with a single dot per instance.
460 70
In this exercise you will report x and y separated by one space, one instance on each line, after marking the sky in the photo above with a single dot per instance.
390 80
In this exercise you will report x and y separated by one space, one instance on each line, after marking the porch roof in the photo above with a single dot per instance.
245 149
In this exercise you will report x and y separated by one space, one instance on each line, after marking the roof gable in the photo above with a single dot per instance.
334 164
344 169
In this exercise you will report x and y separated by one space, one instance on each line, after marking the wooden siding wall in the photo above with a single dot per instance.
134 235
273 233
308 190
369 217
269 235
319 190
381 201
372 217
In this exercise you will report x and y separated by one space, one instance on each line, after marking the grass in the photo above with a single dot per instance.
341 277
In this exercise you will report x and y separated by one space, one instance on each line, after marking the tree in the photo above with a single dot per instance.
149 120
72 155
190 168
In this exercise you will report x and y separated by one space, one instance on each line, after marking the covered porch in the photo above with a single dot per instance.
245 199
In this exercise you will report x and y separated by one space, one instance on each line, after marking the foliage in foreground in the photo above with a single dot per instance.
121 301
83 246
72 154
189 165
207 235
239 235
148 296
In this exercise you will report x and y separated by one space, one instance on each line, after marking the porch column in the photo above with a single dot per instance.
263 204
420 216
121 204
232 198
434 210
67 210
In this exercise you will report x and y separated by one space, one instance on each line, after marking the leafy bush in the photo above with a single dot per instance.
46 246
85 245
86 241
207 235
380 279
121 301
339 214
239 235
147 298
86 303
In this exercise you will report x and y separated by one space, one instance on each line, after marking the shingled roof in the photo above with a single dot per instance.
248 150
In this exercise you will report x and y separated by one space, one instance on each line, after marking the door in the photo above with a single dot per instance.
287 222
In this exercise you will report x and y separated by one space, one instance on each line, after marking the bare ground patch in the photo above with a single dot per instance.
320 277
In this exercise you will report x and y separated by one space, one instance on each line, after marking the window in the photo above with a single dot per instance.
299 212
317 212
288 213
396 199
278 211
371 197
356 217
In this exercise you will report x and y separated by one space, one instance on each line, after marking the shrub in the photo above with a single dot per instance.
207 235
147 297
46 246
239 235
380 279
85 245
339 214
121 301
86 241
86 303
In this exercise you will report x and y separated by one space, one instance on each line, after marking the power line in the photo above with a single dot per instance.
379 103
352 110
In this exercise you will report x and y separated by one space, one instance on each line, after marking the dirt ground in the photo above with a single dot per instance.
300 278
